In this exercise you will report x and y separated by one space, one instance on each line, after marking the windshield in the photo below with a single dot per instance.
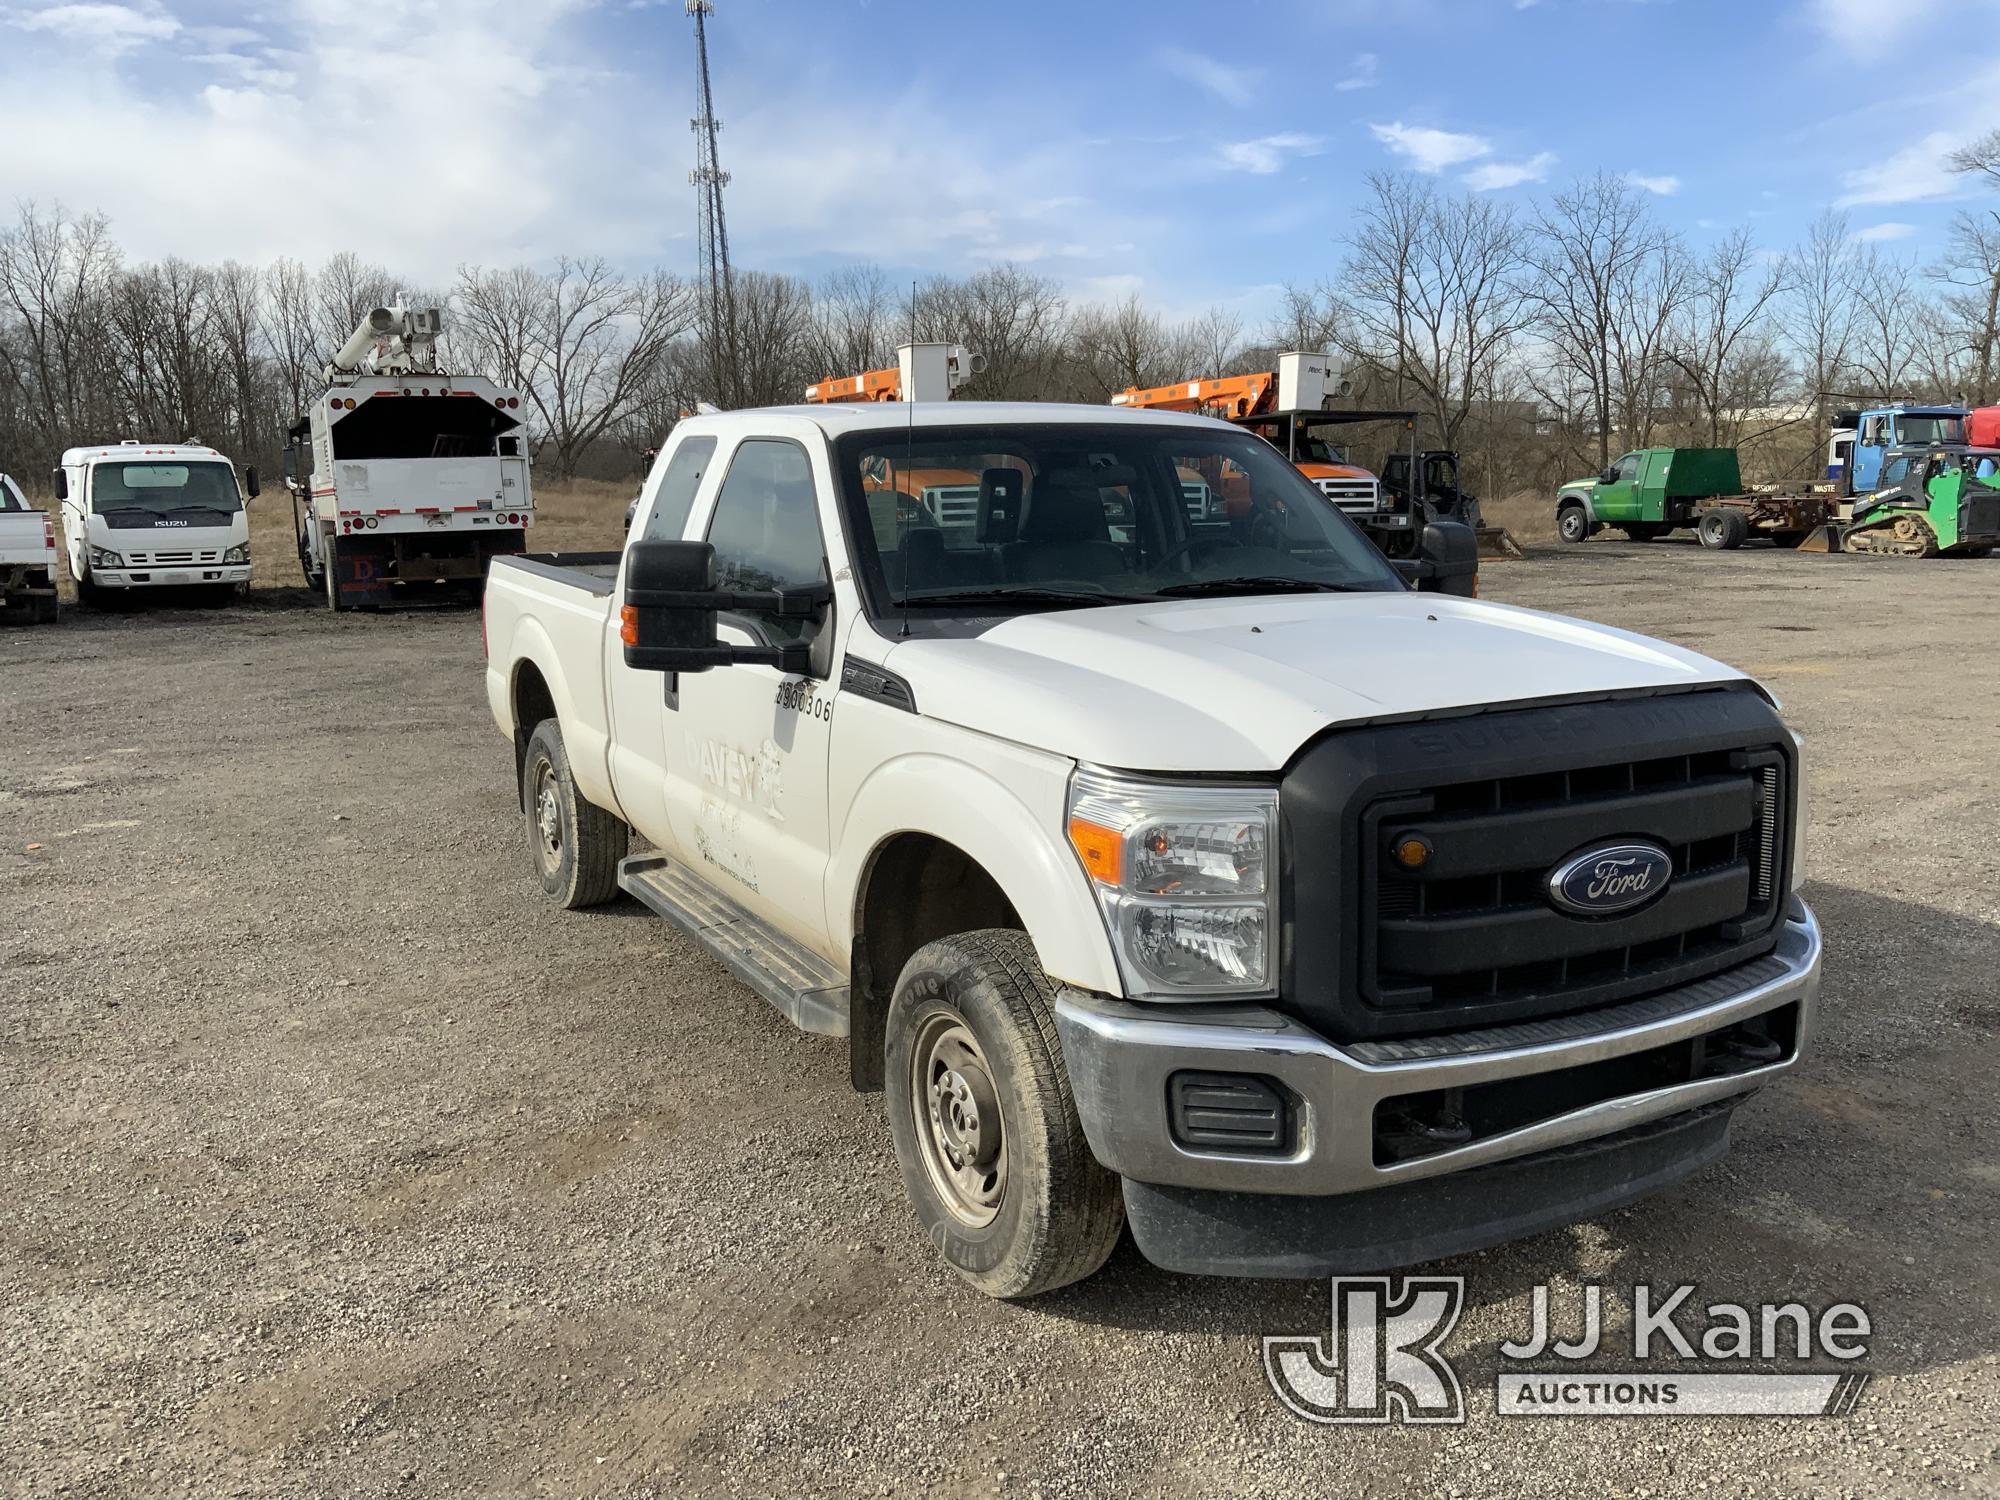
1922 431
1051 515
164 489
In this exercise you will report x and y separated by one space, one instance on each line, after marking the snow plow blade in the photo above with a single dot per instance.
1824 538
1494 541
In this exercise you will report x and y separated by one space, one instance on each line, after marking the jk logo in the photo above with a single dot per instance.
1380 1361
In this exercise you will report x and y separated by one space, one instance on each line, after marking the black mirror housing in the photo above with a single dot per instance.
1447 561
668 619
1609 476
251 486
62 484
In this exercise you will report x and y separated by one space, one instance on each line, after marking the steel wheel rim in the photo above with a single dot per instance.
547 810
956 1106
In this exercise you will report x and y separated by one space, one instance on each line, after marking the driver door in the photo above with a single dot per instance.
1617 499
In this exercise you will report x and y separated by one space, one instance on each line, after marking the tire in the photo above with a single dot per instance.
1721 529
1573 523
575 844
88 594
328 579
970 1036
44 609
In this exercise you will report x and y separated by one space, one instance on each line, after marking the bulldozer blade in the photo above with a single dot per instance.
1494 541
1821 539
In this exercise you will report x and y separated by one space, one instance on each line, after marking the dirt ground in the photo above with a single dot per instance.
339 1164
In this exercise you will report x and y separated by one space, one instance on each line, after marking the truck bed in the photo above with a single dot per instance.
23 539
593 571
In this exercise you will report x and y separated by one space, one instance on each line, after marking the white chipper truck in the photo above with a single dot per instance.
405 478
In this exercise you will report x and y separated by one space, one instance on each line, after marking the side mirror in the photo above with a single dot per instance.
62 484
250 484
1447 561
667 620
1609 476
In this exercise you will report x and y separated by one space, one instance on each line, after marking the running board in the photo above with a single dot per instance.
811 993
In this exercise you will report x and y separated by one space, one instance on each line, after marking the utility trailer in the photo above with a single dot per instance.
405 479
1653 491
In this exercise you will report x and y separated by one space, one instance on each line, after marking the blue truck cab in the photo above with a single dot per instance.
1861 438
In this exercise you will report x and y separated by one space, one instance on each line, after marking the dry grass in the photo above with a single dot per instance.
1528 515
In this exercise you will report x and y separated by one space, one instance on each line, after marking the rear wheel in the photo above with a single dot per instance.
44 609
576 844
329 568
1721 529
1573 523
984 1121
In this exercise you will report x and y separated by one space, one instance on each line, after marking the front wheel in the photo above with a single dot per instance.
985 1124
1573 523
576 844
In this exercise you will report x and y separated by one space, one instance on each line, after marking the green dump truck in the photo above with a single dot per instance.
1652 491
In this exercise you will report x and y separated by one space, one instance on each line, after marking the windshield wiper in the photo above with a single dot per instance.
1002 597
1259 583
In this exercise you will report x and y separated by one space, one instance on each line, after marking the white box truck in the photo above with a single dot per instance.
154 515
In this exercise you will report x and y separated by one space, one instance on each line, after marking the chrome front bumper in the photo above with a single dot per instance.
1121 1055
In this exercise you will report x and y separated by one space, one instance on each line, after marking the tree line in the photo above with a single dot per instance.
1537 339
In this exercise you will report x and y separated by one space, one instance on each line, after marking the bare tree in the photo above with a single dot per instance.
857 320
1715 341
1433 292
1819 315
1607 281
1889 315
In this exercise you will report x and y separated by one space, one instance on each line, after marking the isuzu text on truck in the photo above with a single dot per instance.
405 479
154 515
1196 873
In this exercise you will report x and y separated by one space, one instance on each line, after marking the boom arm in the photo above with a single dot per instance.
1230 396
922 372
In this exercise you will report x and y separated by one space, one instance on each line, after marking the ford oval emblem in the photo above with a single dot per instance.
1611 878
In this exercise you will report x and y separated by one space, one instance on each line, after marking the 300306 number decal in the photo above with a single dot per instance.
802 696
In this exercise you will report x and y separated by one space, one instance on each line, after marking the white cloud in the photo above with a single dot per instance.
1916 174
1866 27
1428 149
1506 174
1892 230
1666 185
1366 66
1268 153
111 28
1229 83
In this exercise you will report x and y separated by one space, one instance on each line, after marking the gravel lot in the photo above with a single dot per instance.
340 1164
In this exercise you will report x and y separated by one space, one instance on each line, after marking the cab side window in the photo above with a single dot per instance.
678 487
765 529
1895 471
1628 468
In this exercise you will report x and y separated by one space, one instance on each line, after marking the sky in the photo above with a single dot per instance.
1198 155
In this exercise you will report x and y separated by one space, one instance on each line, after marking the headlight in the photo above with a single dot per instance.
1185 875
240 553
99 558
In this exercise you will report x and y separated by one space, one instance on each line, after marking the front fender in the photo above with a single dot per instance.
1011 824
1581 494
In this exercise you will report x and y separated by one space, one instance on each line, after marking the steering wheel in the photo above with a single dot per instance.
1189 545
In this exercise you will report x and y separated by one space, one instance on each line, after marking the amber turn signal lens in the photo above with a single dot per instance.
628 625
1101 849
1412 850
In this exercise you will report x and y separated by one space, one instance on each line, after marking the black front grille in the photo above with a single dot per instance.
1475 923
1499 800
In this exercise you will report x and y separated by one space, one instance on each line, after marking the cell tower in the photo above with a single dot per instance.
709 180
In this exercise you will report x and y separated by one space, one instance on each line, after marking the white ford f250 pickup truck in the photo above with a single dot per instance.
1198 874
27 555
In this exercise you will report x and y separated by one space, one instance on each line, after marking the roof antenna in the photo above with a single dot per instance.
907 383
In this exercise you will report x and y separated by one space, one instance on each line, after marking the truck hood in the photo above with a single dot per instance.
1241 684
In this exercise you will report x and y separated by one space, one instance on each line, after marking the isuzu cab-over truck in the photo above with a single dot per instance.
1196 874
154 515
